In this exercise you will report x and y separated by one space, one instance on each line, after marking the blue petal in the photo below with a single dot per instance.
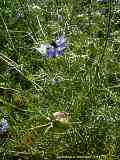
103 1
51 52
56 52
61 45
61 41
60 51
4 126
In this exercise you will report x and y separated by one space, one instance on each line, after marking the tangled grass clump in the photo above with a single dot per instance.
65 106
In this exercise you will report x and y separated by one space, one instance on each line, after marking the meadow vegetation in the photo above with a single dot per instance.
83 83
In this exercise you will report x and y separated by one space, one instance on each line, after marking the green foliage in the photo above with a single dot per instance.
88 79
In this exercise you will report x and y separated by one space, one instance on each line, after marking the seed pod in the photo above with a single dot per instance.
61 117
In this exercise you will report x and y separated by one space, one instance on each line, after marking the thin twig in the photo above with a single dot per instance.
40 126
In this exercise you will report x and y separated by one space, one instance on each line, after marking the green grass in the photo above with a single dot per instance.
89 74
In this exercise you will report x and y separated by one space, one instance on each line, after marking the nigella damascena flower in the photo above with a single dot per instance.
54 49
103 1
3 125
57 47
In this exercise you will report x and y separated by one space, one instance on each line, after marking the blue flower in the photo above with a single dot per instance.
51 52
3 125
103 1
57 48
55 52
61 42
54 49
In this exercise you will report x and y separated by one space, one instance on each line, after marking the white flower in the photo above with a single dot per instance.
42 49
